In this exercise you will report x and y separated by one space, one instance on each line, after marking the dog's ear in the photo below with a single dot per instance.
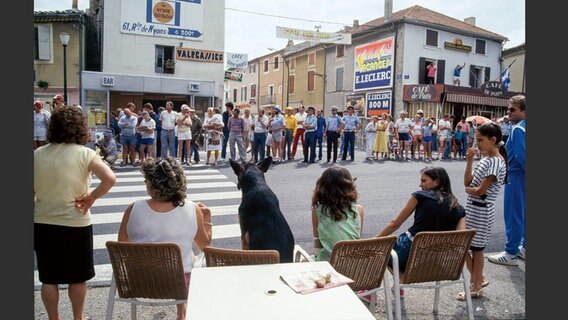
265 164
237 167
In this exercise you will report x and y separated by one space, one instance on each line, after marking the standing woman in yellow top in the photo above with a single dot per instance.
63 232
381 145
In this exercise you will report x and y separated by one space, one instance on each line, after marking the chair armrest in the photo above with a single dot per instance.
300 255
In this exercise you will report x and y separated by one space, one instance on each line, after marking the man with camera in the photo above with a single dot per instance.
107 149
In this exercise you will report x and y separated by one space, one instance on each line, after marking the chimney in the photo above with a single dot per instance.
388 10
75 5
290 43
355 23
470 20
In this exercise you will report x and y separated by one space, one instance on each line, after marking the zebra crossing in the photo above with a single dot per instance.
205 184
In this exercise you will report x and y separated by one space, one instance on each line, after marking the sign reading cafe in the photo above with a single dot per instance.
182 19
373 65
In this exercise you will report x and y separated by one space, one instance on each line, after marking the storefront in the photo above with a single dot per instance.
438 99
103 93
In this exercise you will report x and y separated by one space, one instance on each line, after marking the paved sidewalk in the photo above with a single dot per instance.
504 298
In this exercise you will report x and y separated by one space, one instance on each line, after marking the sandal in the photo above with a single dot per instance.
473 294
485 283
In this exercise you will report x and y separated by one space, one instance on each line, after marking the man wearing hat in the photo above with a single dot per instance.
107 148
334 125
291 125
58 102
41 122
352 126
310 125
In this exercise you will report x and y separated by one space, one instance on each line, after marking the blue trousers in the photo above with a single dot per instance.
310 146
348 145
514 212
169 145
259 145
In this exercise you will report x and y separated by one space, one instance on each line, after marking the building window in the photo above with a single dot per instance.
244 94
42 42
234 95
165 62
311 81
253 90
476 76
292 64
340 51
252 68
291 81
266 65
339 79
480 46
431 38
311 59
276 63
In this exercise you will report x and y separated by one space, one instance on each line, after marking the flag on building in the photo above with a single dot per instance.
505 79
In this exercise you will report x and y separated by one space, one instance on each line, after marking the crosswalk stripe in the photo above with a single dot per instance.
116 217
219 232
189 178
192 196
190 186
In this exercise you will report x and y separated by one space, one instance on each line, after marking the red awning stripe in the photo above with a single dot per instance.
482 100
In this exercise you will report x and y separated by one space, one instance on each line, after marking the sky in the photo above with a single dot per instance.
250 25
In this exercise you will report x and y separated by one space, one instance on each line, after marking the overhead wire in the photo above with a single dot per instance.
284 17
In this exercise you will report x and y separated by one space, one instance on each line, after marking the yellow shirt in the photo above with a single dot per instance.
61 174
291 122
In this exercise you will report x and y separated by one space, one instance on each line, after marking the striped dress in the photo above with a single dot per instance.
480 213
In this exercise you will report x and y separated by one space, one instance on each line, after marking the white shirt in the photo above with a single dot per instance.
168 119
301 117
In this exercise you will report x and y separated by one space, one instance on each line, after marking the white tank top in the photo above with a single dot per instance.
178 225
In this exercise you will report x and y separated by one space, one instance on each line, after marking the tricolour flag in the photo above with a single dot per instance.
505 80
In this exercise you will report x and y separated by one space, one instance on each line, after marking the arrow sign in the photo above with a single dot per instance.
184 32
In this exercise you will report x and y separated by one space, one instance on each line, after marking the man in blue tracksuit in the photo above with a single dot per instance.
514 197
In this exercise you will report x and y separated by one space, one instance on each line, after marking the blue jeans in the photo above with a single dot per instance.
319 145
225 142
259 145
168 140
402 249
348 145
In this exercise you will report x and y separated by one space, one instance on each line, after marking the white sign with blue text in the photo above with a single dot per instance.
237 60
181 19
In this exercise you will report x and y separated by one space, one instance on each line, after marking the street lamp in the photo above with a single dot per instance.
64 37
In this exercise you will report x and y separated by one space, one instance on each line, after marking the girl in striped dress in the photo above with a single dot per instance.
482 185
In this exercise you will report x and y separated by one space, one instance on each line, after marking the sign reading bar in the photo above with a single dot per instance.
313 36
199 55
232 75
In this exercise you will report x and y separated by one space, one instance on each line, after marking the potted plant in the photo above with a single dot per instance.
43 84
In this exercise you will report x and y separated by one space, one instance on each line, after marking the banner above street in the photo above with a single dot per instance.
313 36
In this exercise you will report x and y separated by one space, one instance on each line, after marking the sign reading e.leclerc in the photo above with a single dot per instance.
492 89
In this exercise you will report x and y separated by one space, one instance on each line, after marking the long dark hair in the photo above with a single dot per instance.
444 187
335 190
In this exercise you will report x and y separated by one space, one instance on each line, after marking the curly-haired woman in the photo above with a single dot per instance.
63 231
167 216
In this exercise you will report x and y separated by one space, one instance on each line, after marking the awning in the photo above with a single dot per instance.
482 100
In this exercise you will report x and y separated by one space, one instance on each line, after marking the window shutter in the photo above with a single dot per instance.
44 41
339 79
441 72
472 75
487 74
422 70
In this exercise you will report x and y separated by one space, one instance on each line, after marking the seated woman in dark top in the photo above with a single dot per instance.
435 208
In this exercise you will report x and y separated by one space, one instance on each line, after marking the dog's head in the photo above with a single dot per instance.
249 174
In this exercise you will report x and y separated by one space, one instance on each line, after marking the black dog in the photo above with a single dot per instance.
263 225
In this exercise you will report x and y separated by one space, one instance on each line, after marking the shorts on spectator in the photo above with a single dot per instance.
147 141
127 140
184 135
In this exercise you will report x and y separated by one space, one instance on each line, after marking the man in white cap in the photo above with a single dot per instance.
332 131
107 148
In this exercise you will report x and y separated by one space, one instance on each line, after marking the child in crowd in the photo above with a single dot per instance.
457 138
394 148
482 185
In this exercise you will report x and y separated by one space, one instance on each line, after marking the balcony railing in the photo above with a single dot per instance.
268 99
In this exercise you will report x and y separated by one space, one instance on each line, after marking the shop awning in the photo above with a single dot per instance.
482 100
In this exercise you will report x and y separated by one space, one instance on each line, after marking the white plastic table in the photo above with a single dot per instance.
257 292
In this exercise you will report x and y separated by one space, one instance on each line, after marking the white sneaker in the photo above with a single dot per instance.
522 253
503 258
